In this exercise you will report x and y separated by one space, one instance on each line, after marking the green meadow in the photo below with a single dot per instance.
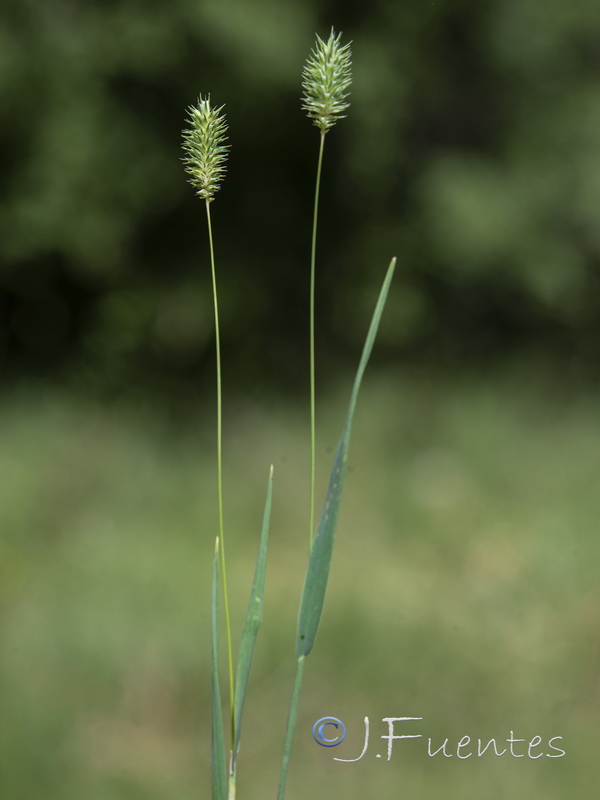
463 591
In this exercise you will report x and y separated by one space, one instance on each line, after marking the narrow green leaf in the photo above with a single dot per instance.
253 621
218 763
291 726
319 562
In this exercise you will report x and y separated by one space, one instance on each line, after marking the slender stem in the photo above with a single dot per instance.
231 786
313 256
220 463
291 726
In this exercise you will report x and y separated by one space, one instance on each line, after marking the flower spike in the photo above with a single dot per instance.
326 78
205 148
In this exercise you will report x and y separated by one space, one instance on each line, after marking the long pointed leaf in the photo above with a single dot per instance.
218 763
253 621
319 562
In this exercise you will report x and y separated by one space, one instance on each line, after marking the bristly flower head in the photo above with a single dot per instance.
326 78
205 148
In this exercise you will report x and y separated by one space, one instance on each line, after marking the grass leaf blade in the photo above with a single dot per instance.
291 727
218 761
370 340
253 621
319 562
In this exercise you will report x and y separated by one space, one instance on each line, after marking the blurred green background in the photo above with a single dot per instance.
464 587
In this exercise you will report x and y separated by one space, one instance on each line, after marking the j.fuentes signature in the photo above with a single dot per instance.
331 731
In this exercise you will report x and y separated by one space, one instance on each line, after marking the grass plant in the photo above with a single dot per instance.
206 153
325 80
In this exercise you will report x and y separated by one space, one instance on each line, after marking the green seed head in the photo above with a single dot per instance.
205 148
326 78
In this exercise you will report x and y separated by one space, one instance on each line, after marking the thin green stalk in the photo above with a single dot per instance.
291 726
313 254
218 765
220 464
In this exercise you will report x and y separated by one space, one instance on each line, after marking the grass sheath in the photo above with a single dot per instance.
291 727
218 764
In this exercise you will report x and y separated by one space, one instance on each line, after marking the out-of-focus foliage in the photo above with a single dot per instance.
464 589
471 151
